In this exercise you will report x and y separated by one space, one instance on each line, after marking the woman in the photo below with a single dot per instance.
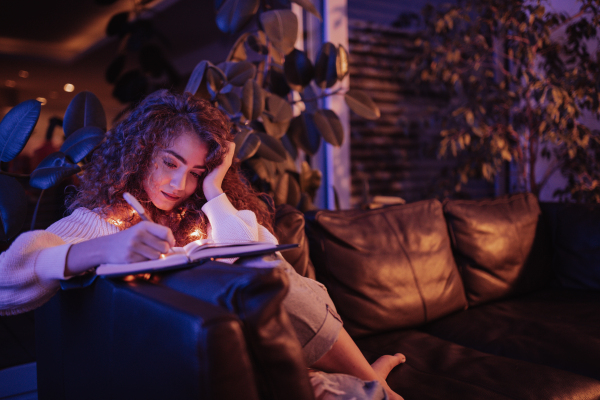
174 153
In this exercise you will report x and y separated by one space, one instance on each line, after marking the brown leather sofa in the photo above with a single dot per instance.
492 299
489 299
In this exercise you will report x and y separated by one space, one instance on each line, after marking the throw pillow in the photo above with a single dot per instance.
500 245
387 268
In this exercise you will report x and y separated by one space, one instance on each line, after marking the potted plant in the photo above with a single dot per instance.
271 91
84 125
519 78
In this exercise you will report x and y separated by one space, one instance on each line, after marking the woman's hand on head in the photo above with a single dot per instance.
141 242
212 185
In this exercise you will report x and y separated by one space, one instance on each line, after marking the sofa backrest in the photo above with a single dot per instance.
388 268
289 229
575 231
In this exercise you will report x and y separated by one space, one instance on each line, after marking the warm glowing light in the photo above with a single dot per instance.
129 278
69 87
163 256
116 222
10 83
42 100
196 233
23 74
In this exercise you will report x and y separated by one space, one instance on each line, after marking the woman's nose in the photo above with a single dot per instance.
178 181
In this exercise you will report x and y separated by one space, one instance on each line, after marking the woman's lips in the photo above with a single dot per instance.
170 196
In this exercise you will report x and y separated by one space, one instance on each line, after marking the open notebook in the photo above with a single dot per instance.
192 254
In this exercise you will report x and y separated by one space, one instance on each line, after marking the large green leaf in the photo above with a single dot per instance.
253 100
118 24
13 207
330 127
52 170
246 145
281 27
84 110
310 7
238 73
275 129
215 79
298 69
282 187
276 82
305 134
238 50
289 146
361 103
230 102
279 109
82 142
270 148
234 14
258 43
342 65
196 77
16 128
287 190
115 68
326 66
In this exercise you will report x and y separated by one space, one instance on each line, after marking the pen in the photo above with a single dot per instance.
132 201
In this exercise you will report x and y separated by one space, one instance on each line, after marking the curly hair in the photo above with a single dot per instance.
121 163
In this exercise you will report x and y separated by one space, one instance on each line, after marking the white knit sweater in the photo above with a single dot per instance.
30 270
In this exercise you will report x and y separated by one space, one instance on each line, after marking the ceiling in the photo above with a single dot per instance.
64 41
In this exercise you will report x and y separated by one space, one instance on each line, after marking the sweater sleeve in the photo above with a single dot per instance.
230 225
30 271
31 268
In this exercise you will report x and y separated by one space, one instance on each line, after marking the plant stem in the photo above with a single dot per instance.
37 206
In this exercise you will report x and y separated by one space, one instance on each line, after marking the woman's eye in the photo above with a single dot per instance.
169 163
197 175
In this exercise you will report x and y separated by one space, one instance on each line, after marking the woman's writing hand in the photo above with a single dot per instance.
214 180
141 242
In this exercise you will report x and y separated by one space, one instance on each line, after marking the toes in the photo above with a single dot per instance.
385 364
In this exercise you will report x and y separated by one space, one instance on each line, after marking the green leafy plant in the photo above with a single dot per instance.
84 126
519 78
272 92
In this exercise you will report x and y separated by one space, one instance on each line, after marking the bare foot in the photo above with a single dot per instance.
383 366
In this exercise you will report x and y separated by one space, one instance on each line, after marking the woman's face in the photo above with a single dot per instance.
175 171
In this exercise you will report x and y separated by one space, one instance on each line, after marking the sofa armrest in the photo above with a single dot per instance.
124 340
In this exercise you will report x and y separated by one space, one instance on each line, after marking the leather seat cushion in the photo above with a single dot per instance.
554 327
437 369
501 246
387 268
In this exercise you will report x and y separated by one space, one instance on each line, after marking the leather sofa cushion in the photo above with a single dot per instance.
387 268
554 327
289 229
437 369
501 246
576 242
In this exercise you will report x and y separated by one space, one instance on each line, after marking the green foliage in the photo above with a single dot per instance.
85 128
518 78
272 92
